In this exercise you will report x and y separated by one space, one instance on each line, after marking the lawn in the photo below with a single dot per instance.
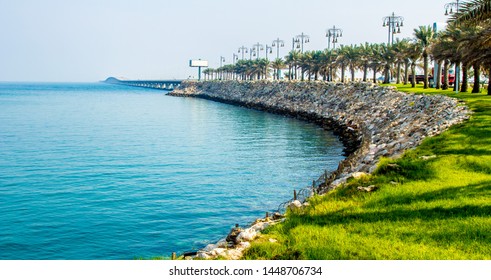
432 203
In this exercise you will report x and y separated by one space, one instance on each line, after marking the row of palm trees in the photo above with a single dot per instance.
466 44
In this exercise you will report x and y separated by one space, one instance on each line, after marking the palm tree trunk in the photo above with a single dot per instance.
425 61
445 75
406 72
398 78
387 74
489 81
465 78
343 69
438 75
413 78
476 88
365 71
352 69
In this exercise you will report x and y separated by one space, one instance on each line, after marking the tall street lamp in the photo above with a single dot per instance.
301 39
449 9
333 34
394 24
268 50
278 43
235 58
242 50
258 47
222 59
252 52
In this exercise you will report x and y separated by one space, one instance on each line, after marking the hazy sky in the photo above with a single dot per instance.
65 40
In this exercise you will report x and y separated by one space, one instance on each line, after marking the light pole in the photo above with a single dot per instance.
235 58
450 6
242 50
252 52
302 38
278 43
333 33
222 59
394 24
448 11
268 50
258 47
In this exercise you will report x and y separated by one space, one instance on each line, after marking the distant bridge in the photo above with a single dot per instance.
163 84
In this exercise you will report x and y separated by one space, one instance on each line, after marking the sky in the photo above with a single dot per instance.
90 40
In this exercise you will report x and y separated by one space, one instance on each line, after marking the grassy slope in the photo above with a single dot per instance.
437 208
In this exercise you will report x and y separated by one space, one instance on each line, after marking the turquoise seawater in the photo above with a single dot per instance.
98 171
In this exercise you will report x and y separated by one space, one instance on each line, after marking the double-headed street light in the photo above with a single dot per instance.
449 8
278 43
333 34
300 40
242 50
269 49
252 52
258 47
222 59
394 24
235 58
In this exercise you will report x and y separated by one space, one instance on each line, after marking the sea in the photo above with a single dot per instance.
93 171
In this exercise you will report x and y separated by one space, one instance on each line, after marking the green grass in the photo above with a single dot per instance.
438 208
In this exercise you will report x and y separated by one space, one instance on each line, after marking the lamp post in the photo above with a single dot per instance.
235 58
269 49
448 11
222 59
301 39
278 43
252 52
333 34
449 7
394 24
242 50
258 47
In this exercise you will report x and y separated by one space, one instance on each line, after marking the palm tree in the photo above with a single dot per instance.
277 65
328 67
451 38
476 49
316 63
263 68
414 54
292 60
400 48
424 37
375 60
474 52
305 63
440 51
352 56
364 58
343 60
473 12
388 58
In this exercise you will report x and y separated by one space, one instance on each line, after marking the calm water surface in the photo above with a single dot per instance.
96 171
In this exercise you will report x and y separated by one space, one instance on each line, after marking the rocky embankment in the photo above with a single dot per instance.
372 121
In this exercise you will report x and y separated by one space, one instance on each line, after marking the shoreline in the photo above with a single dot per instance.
371 121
